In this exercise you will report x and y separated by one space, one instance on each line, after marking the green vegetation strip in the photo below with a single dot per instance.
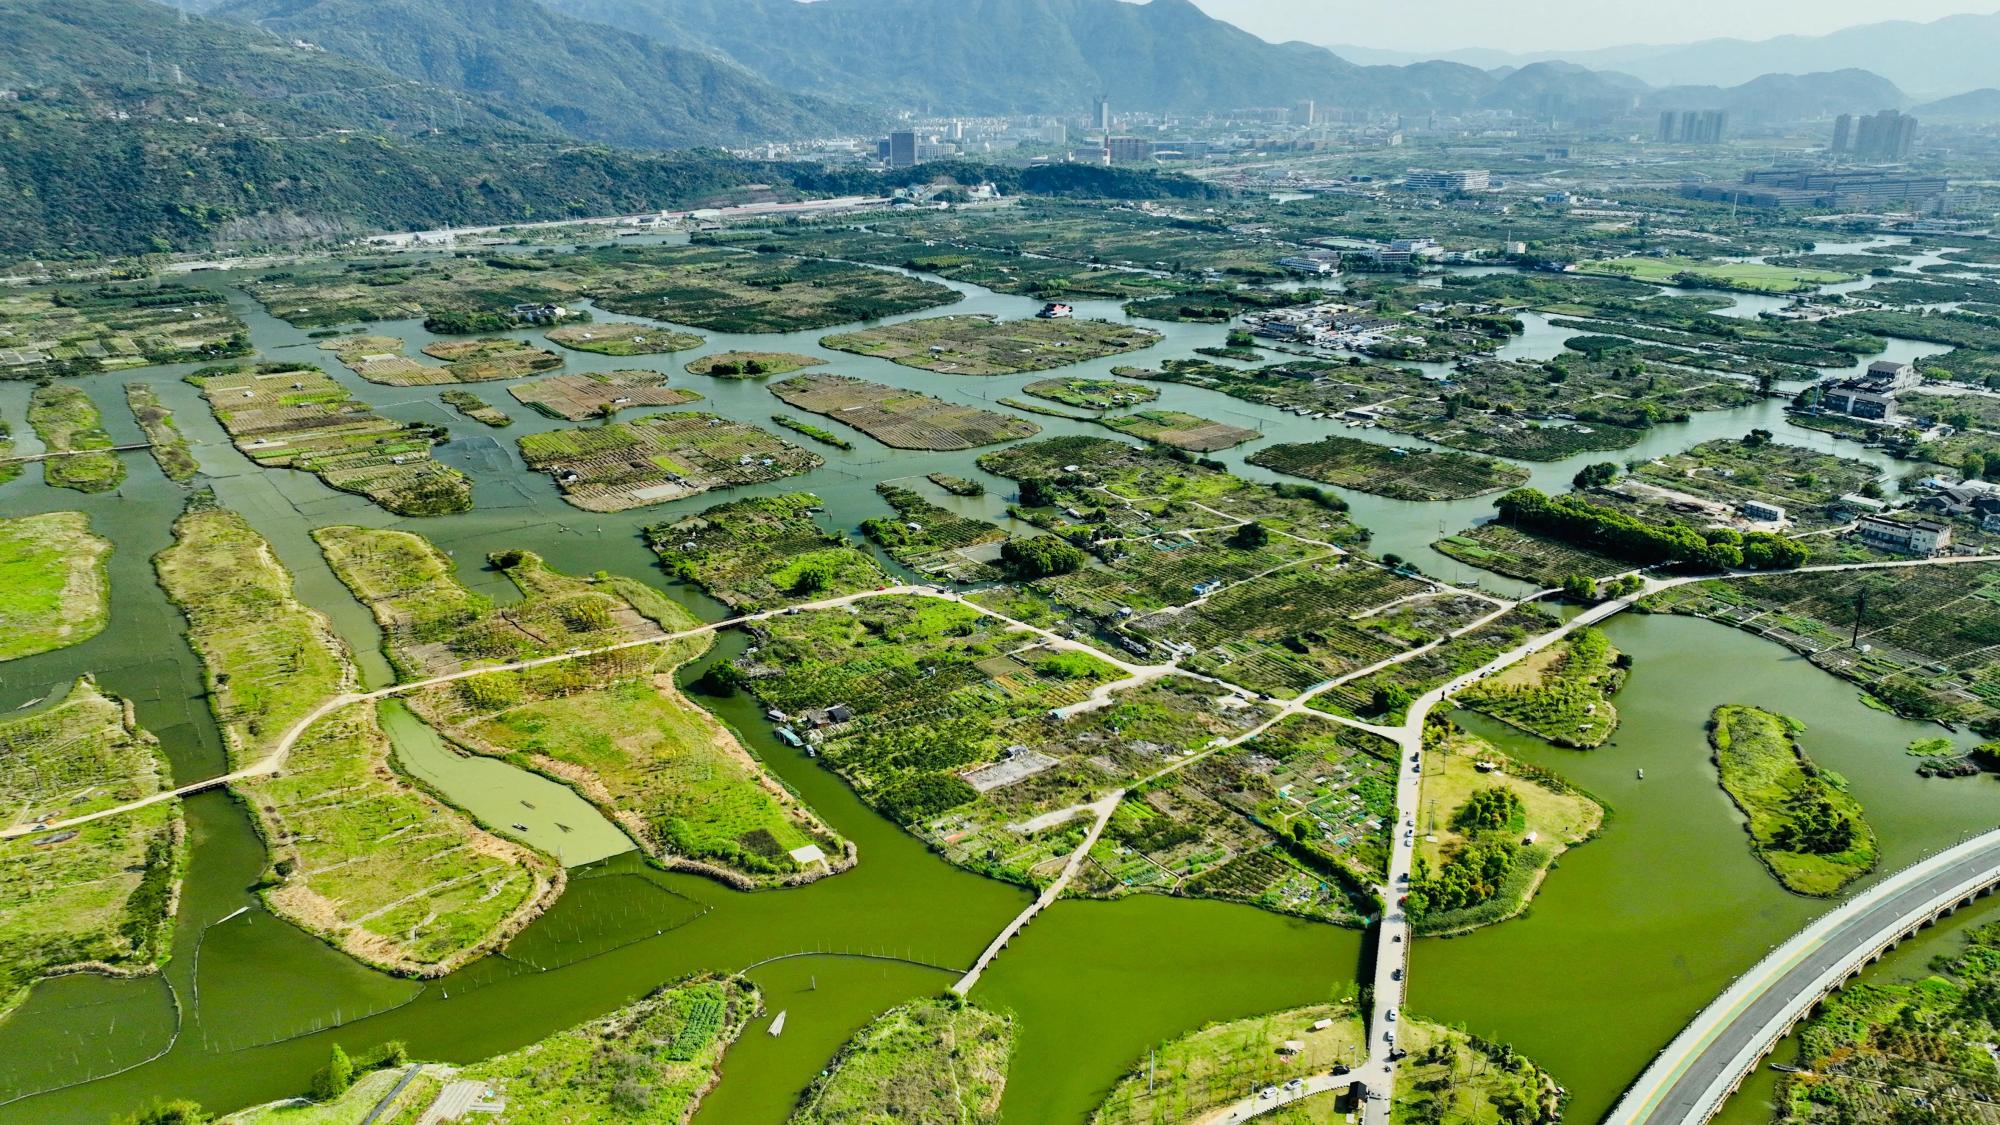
170 446
614 727
98 896
357 854
1562 694
651 1061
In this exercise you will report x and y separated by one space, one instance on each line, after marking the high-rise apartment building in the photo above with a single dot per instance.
903 149
1843 132
1881 137
1694 127
1128 150
1101 114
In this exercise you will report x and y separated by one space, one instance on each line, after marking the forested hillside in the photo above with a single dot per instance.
562 75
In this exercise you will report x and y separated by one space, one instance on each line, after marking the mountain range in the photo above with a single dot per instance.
128 129
560 74
1056 56
1947 56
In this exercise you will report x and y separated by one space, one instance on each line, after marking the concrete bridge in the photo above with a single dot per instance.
1694 1075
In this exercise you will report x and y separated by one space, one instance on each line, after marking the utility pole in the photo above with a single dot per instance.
1860 610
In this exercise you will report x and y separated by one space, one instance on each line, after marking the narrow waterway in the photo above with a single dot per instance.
1641 926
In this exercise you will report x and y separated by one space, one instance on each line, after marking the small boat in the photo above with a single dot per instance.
564 827
1642 775
778 1025
519 827
528 804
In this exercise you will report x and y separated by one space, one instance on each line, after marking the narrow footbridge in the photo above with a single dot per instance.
1689 1080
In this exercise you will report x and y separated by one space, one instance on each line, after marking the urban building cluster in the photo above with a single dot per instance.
1882 137
1693 127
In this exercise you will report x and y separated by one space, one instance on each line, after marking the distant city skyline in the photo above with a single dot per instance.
1547 25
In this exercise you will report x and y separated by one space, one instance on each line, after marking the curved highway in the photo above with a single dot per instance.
1689 1080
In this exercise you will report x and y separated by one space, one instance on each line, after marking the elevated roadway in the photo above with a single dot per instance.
1690 1079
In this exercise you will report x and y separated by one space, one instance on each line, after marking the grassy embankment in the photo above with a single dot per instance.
1493 836
653 1060
1561 694
614 727
819 434
68 423
358 854
98 897
1449 1077
933 1062
170 446
1802 823
54 591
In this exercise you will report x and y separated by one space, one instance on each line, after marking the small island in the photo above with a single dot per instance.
931 1061
1802 822
750 365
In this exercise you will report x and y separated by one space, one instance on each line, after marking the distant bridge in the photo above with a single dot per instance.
1690 1079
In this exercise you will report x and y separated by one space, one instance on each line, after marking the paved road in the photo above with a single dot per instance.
1101 812
274 761
1390 974
1691 1078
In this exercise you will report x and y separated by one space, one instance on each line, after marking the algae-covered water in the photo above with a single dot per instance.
1628 938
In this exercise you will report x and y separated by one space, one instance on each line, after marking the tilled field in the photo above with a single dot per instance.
597 394
898 418
661 458
302 419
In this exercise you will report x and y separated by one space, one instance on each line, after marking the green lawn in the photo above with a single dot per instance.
1753 276
54 591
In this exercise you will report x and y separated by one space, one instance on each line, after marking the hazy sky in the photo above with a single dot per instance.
1529 25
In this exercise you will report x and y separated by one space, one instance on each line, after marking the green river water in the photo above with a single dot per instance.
1631 936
